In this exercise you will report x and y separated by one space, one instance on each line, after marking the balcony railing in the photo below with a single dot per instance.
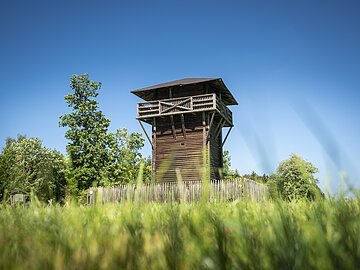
208 102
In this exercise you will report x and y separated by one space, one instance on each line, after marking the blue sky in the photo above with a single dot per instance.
293 66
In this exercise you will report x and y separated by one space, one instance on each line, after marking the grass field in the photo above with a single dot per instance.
236 235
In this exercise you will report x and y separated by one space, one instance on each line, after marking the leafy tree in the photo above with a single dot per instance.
294 179
125 157
26 164
227 172
87 133
257 178
147 169
97 157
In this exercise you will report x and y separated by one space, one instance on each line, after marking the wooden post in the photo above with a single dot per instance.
220 128
206 148
173 126
204 129
183 125
210 126
153 160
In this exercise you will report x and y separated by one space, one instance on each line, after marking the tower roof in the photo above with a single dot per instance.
148 93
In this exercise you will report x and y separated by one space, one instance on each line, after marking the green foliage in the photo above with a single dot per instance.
87 133
257 178
26 164
126 157
294 179
147 170
227 172
242 235
97 157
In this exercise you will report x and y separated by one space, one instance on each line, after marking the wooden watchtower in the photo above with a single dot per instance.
187 117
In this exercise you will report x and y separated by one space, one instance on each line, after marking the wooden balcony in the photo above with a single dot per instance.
193 104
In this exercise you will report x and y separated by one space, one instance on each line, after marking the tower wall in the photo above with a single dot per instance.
187 117
186 153
183 153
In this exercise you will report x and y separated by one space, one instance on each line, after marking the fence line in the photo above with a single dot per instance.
191 191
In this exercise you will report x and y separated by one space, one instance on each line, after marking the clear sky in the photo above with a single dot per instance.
293 66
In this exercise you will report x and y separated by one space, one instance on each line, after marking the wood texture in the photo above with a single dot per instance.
187 132
215 191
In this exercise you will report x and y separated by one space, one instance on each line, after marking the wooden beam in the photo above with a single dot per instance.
173 106
183 125
227 134
204 129
147 135
210 126
173 126
219 127
153 160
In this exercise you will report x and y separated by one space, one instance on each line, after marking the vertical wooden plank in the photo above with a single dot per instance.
173 126
153 160
183 125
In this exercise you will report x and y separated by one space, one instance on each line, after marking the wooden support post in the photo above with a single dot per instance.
206 148
173 126
147 135
183 125
153 160
204 129
227 134
219 128
210 126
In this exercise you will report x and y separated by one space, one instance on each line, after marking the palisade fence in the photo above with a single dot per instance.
191 191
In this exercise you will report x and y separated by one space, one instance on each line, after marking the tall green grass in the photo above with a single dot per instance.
237 235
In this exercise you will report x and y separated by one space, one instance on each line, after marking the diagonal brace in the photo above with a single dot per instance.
227 134
174 106
147 135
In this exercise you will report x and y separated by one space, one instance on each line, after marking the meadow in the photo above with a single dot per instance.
234 235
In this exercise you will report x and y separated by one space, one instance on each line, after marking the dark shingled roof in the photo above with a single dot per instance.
146 93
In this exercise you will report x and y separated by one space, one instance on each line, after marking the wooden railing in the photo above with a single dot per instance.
208 102
224 112
191 191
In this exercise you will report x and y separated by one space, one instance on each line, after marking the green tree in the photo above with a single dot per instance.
294 179
227 172
147 169
125 157
87 133
257 178
26 164
97 157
